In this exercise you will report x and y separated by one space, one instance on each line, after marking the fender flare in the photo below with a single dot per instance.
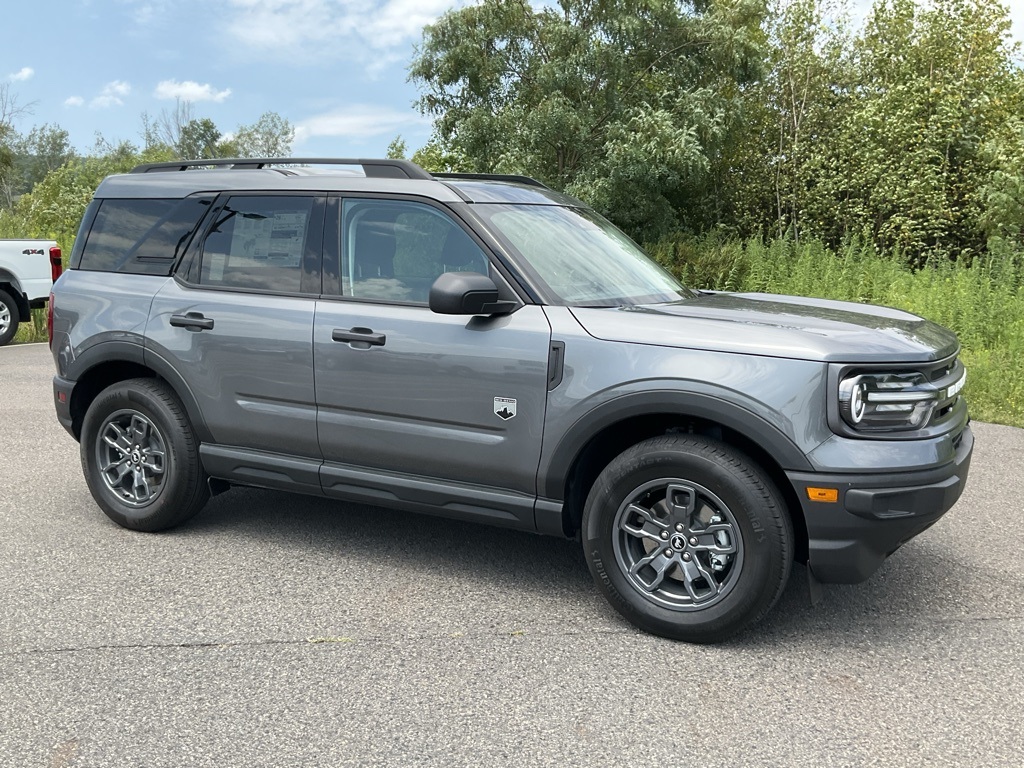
555 469
131 351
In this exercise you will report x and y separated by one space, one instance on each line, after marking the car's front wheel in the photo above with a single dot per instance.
687 538
141 457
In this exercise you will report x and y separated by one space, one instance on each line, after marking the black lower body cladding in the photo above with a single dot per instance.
875 514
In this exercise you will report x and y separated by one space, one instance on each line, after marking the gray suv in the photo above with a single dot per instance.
487 349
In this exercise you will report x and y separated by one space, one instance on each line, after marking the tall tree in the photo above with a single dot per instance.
270 136
906 165
199 140
624 103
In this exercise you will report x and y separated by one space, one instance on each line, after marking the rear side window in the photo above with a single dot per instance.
141 236
259 243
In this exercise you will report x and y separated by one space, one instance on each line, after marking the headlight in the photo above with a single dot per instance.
878 402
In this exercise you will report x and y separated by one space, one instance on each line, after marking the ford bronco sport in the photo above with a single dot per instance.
484 348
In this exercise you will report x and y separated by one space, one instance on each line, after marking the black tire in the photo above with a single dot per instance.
10 317
141 457
687 538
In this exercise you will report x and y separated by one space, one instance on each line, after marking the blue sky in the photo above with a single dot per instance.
335 68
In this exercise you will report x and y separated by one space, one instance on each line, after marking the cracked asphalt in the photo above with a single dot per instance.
277 630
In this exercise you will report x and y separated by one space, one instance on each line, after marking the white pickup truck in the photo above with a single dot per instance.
28 269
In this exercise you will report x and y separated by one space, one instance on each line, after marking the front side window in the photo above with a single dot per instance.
258 242
582 258
394 250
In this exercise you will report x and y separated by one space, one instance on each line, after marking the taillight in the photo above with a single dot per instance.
56 265
49 314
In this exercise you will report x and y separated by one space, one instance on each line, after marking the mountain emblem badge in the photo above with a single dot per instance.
504 408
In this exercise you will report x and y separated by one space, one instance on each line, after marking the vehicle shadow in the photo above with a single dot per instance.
912 588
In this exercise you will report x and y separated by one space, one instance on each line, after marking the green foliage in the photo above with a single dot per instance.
199 140
624 104
54 207
397 149
270 136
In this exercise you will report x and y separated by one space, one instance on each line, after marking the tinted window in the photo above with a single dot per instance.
140 236
395 250
258 243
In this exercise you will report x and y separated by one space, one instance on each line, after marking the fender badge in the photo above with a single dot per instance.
504 408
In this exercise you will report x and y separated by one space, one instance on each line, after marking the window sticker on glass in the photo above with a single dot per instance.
273 239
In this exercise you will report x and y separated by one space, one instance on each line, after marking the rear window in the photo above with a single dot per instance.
141 236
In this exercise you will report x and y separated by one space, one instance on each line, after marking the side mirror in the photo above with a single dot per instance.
467 293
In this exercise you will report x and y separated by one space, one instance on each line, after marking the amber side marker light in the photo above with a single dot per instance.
831 495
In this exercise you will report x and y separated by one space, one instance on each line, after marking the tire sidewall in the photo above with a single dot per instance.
764 552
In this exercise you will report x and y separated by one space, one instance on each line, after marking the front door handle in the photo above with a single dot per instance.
193 321
364 335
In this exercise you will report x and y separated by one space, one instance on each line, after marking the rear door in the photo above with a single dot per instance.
237 323
419 409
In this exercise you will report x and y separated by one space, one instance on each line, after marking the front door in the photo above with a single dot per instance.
418 409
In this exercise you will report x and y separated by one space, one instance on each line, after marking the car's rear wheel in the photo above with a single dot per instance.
9 318
141 457
687 538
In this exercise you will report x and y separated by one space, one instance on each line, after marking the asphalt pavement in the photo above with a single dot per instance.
278 630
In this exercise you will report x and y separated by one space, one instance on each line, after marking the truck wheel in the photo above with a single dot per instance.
9 318
141 457
687 538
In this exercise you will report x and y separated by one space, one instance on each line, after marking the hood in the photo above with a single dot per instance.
776 326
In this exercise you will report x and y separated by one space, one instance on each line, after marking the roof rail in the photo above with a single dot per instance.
381 169
493 177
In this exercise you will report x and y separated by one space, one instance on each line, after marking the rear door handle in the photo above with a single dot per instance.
364 335
193 321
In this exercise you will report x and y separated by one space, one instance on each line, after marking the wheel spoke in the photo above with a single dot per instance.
139 428
694 571
649 528
655 561
682 501
711 539
140 485
154 462
120 440
123 467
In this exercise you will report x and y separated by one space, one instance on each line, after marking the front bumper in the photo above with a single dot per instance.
875 513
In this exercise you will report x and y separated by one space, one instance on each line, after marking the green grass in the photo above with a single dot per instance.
983 301
34 331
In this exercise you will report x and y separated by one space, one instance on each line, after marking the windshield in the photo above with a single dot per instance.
582 258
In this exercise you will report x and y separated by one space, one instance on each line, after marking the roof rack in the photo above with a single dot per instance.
493 177
380 169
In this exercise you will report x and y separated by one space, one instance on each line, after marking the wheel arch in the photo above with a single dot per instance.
113 361
9 284
592 443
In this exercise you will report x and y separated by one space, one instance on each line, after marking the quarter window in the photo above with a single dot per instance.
141 236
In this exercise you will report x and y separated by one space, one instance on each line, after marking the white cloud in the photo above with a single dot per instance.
358 121
74 101
24 73
189 91
112 95
358 29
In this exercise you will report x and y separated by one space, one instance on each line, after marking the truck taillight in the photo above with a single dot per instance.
49 315
56 265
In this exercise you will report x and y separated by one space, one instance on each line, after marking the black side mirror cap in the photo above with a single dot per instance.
467 293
